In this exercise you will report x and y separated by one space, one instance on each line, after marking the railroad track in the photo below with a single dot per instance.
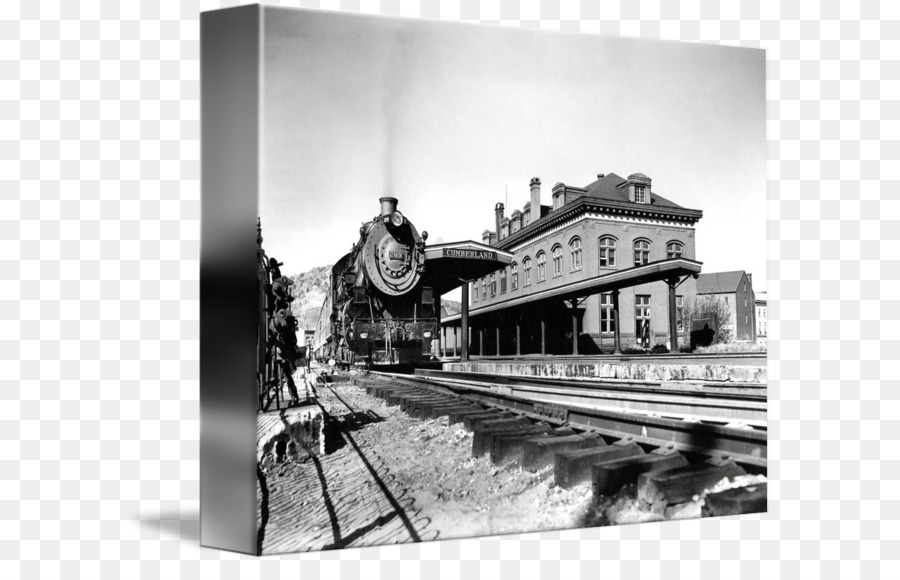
685 400
671 459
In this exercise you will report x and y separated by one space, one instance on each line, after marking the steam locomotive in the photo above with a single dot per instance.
381 309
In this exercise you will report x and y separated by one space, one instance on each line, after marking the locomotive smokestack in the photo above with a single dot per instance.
388 205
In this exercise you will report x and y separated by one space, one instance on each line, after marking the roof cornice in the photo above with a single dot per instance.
584 204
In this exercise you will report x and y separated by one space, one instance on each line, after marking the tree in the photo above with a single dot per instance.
714 311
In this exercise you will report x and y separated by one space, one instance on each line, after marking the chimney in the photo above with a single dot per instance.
388 205
498 217
535 199
750 279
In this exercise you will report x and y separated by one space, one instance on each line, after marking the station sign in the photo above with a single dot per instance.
469 254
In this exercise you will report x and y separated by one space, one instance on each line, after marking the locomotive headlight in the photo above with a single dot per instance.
427 334
397 219
364 335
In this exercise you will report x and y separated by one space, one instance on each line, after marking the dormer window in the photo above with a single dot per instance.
559 200
638 188
640 194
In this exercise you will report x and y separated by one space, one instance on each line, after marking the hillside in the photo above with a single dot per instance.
310 289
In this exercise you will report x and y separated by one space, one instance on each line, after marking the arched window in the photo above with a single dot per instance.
541 266
484 288
575 251
674 249
607 251
514 276
475 291
503 280
494 284
526 270
641 252
557 260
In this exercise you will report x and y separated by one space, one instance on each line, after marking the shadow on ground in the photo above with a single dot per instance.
184 525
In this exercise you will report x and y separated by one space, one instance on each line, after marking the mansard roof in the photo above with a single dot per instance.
610 187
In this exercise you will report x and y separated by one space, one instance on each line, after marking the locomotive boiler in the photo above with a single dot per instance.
382 306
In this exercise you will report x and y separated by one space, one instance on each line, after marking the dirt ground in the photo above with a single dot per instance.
384 463
463 496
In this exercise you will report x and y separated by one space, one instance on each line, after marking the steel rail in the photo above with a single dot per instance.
690 402
713 436
696 387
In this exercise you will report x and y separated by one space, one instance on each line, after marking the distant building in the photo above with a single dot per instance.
762 316
735 289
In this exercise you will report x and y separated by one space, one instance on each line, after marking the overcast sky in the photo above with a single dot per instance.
448 117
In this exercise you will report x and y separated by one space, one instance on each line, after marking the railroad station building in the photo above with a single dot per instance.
612 249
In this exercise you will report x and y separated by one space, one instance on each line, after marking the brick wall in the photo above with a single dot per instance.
590 230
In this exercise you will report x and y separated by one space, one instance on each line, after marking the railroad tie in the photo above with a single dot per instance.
396 396
445 410
484 428
538 453
573 467
459 416
471 421
381 390
740 500
508 447
489 437
412 395
418 406
660 490
609 476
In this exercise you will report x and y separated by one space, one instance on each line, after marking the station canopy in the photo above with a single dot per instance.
665 270
451 265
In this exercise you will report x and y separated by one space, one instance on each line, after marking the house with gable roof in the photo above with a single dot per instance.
735 289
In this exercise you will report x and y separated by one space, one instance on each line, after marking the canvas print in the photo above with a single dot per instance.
507 281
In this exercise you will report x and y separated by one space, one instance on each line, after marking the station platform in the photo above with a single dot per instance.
684 368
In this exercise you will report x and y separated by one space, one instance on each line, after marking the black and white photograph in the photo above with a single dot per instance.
508 281
442 289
